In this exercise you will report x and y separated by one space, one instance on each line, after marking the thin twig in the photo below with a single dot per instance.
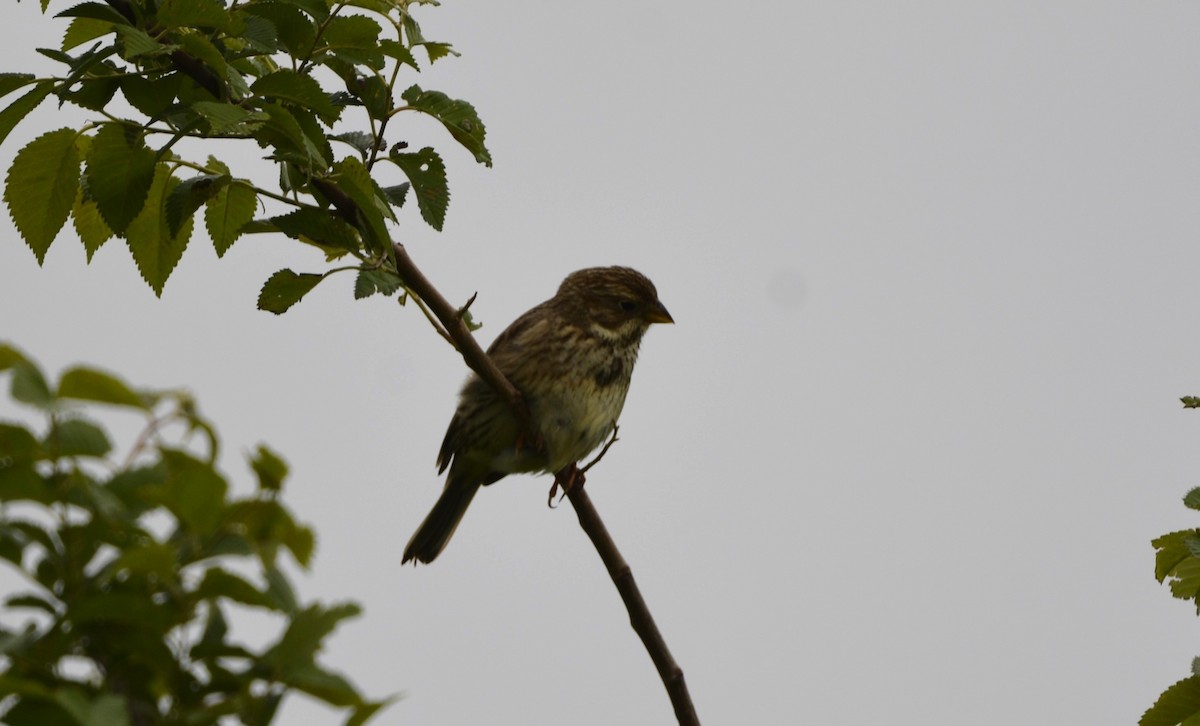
589 519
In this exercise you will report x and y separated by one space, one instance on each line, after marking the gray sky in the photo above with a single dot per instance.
934 271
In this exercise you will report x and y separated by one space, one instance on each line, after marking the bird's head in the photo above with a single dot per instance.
615 300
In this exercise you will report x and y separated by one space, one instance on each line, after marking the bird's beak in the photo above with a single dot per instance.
657 313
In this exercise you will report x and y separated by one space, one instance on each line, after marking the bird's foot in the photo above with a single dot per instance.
568 478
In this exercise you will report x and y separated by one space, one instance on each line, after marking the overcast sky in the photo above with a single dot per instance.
934 270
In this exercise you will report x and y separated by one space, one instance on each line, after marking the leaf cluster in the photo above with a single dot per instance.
132 567
285 75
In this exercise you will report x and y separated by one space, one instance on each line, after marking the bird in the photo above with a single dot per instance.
571 357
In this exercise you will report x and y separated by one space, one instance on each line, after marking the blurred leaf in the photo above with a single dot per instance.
194 491
367 710
17 443
428 176
271 469
120 172
11 356
280 591
1191 401
330 687
29 386
219 583
78 437
105 709
31 601
41 186
284 289
306 634
155 249
119 607
90 384
20 481
151 558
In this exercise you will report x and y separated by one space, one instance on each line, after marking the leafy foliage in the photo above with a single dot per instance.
138 609
288 76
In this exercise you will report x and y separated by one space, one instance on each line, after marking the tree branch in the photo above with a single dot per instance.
589 519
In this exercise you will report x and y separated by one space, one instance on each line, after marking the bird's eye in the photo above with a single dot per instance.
628 306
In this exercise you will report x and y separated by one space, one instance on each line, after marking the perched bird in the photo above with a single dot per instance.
571 358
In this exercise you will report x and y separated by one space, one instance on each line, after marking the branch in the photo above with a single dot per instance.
589 519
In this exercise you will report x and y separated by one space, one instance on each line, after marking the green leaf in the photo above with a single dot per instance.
120 172
366 711
1192 499
41 187
105 709
10 82
354 39
81 30
280 590
291 27
119 607
428 176
10 356
19 109
398 51
20 481
299 89
96 11
284 289
29 386
89 384
304 636
1172 549
223 117
89 225
93 93
1176 704
78 437
193 491
359 140
271 469
155 250
219 583
152 96
196 13
1191 401
228 212
139 43
319 227
397 194
318 9
370 282
201 48
459 118
152 558
437 51
189 195
355 181
318 682
17 444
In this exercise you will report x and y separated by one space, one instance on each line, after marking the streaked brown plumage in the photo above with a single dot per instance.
572 358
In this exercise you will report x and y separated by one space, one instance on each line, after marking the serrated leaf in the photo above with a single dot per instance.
459 118
120 171
437 51
227 213
398 51
41 186
291 27
284 289
88 384
19 109
1178 703
93 93
318 226
370 282
78 437
397 194
139 43
151 96
81 30
195 13
299 89
199 47
354 39
89 225
10 82
361 141
318 9
155 250
428 176
189 195
94 10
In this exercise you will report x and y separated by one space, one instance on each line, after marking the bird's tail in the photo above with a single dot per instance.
433 534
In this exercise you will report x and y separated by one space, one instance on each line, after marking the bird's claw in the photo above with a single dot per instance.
568 479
